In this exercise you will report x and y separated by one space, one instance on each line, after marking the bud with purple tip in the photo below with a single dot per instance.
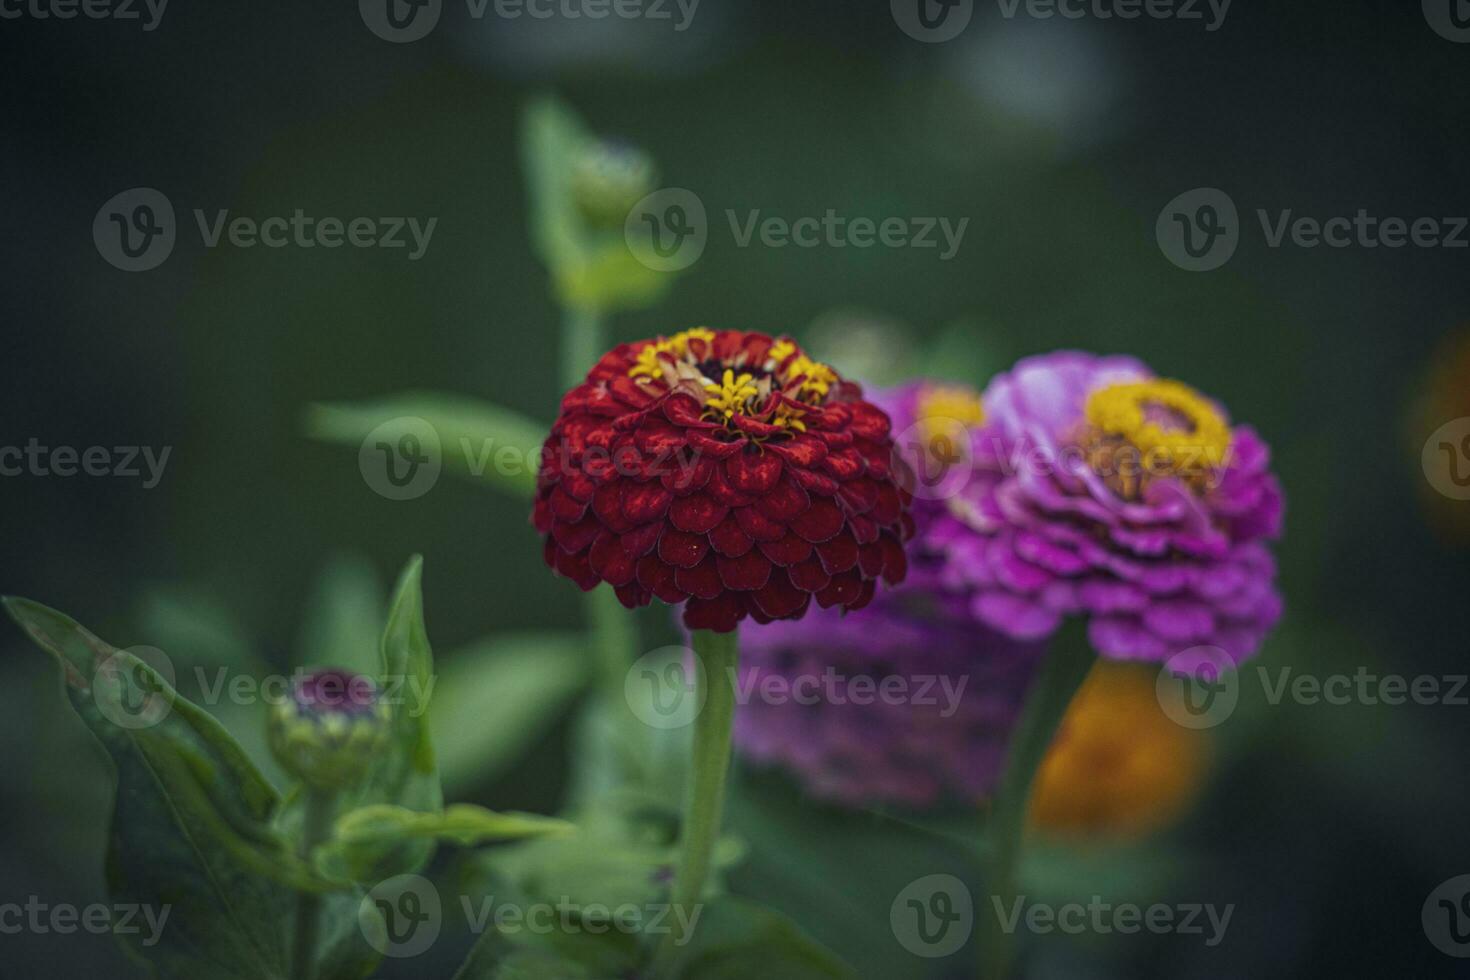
328 728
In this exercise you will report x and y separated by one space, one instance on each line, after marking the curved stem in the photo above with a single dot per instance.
316 826
709 762
1062 671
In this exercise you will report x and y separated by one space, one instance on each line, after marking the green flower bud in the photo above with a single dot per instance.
608 178
327 730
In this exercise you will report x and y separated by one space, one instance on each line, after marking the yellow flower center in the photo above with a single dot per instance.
733 394
938 405
1171 424
817 378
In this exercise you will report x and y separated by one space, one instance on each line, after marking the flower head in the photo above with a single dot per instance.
1118 767
1087 486
726 471
880 707
328 728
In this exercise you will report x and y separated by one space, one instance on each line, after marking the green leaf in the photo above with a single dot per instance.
477 439
735 939
363 834
592 269
191 825
529 678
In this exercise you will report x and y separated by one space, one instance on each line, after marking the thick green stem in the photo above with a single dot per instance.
704 801
1061 674
582 343
316 827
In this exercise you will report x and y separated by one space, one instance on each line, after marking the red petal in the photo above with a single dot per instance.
895 560
887 507
843 590
681 549
870 589
682 410
839 554
720 489
633 595
757 525
845 464
628 391
641 540
728 539
868 421
607 504
815 482
576 568
658 578
578 485
720 614
610 561
871 560
821 521
860 495
657 436
804 451
750 571
541 515
714 448
753 472
809 575
702 580
684 472
779 598
565 507
785 501
696 514
576 537
644 502
864 529
788 551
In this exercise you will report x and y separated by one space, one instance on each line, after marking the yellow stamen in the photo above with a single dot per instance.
733 394
778 353
817 378
1119 410
788 416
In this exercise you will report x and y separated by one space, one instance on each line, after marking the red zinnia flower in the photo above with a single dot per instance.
727 469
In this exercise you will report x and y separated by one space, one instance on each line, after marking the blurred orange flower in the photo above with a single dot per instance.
1119 767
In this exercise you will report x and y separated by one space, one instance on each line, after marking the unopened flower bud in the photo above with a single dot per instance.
608 178
328 728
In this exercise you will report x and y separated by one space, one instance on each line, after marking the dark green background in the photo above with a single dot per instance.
1328 826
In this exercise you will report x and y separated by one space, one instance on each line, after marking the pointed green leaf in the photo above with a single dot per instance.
362 835
191 825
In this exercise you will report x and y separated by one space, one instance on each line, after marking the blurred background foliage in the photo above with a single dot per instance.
1326 825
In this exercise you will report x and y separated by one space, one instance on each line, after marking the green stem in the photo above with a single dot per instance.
1062 671
316 827
582 343
719 655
